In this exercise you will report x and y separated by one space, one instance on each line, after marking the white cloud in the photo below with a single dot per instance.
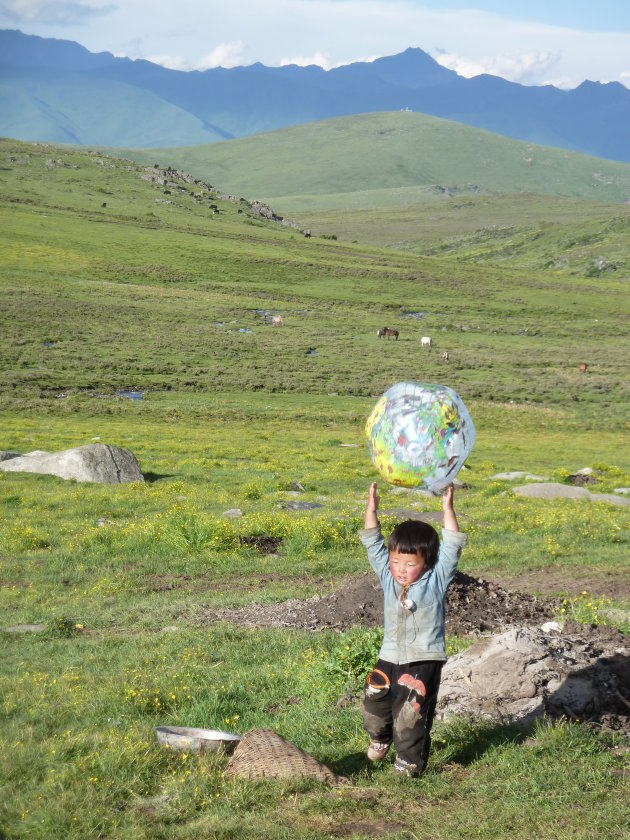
524 68
228 54
53 12
319 58
624 78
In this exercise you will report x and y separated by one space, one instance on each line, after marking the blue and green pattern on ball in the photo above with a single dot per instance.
420 435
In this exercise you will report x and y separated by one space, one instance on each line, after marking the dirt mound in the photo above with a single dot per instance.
473 605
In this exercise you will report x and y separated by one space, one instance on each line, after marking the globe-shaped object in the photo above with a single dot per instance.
420 435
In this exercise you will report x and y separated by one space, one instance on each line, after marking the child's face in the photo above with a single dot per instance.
406 568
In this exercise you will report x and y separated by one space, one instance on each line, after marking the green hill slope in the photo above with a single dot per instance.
386 159
70 110
119 276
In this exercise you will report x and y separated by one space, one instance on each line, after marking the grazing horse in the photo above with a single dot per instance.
426 341
385 331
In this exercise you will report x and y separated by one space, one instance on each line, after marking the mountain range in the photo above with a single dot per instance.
57 91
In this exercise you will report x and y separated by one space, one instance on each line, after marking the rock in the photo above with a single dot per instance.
302 505
623 490
553 490
233 513
25 628
510 476
524 673
551 627
97 462
6 456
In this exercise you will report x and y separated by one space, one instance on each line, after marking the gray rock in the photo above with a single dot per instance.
620 501
25 628
6 456
510 476
554 490
623 490
233 513
524 673
551 627
302 505
97 462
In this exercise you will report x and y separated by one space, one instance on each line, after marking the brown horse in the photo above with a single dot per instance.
385 331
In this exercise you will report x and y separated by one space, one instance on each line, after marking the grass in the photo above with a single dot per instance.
393 152
142 294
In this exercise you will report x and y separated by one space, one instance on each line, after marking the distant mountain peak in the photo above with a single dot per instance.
49 85
413 68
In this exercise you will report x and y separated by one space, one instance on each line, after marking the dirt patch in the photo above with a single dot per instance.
473 605
263 544
613 585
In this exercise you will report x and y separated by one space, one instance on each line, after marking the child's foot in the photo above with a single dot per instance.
405 768
378 750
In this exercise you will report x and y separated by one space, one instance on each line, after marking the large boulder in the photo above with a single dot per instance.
578 672
96 462
555 490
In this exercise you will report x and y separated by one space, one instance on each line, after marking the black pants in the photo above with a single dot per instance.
399 705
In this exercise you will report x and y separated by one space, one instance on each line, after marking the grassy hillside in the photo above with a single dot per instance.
396 154
119 278
125 282
69 109
416 183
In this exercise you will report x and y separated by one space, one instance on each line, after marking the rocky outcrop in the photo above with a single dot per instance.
577 672
97 462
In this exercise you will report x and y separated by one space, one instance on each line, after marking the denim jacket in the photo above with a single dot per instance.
416 634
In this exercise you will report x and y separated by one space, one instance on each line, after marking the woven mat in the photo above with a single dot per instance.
262 753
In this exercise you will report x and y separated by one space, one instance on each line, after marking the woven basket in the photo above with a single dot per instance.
263 754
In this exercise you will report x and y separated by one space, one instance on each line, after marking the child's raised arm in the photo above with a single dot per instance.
371 509
450 520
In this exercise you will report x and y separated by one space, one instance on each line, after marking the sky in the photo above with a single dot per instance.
533 42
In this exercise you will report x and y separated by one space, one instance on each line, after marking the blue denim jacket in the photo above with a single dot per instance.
417 634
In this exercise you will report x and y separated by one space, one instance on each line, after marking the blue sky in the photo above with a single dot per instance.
559 42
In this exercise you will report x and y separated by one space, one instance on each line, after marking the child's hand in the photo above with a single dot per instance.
447 498
371 508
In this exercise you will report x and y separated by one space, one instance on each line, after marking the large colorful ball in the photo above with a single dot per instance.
420 435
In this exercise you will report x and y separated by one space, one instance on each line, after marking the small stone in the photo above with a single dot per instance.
25 628
551 627
233 513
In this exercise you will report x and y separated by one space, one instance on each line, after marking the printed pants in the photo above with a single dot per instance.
399 705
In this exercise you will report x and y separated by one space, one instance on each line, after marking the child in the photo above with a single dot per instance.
401 692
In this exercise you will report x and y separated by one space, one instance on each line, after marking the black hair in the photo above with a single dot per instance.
413 536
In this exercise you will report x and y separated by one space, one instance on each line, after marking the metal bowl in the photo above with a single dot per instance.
189 739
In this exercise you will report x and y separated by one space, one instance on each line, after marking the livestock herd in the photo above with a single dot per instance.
425 341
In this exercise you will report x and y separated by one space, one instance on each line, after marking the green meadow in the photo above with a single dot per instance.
113 282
